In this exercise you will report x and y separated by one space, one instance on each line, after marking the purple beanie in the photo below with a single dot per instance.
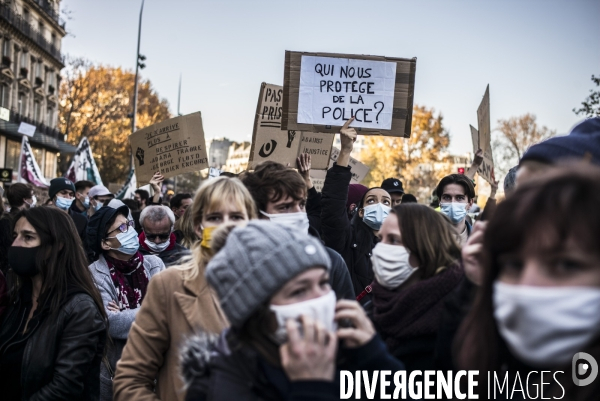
355 194
582 143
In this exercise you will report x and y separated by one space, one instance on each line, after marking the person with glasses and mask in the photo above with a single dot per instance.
157 237
354 239
121 274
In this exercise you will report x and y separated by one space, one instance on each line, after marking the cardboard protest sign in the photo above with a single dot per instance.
486 170
269 142
483 121
318 179
358 169
324 90
173 147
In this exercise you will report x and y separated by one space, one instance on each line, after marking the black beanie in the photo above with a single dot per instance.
58 184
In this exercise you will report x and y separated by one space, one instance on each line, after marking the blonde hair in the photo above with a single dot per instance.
185 224
210 196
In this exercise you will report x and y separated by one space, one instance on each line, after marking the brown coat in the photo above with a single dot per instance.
172 310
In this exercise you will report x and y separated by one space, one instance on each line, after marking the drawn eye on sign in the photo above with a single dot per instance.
139 154
291 136
267 148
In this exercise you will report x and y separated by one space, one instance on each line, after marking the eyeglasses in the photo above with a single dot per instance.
122 228
162 237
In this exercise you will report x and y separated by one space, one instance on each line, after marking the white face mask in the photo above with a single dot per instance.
157 248
321 309
33 201
296 221
546 326
390 265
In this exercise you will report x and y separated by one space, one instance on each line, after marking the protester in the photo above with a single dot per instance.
52 336
6 237
416 268
510 181
456 193
393 186
185 231
20 196
540 292
99 195
142 197
121 274
179 204
179 302
408 198
355 239
62 194
582 143
82 200
283 278
280 195
157 237
355 194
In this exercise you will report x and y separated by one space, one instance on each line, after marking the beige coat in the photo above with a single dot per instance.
172 310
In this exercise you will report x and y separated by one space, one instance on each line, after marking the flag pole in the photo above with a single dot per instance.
21 158
135 87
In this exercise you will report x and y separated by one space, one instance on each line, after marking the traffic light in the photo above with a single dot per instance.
461 170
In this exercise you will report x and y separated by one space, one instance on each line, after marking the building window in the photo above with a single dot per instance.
23 61
50 117
4 95
6 48
37 111
26 15
50 167
22 104
13 152
38 70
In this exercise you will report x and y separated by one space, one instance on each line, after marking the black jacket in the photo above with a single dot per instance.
313 209
243 375
61 360
170 257
354 240
81 223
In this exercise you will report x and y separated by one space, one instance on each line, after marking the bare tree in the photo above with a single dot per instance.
514 136
591 105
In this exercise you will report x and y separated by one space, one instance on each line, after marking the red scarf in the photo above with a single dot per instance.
130 280
415 311
172 242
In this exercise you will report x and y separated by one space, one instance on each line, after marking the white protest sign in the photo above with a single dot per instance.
332 90
486 170
4 114
358 169
213 173
26 129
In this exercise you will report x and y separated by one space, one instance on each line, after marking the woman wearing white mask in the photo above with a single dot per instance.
283 342
121 274
416 269
179 301
354 239
540 296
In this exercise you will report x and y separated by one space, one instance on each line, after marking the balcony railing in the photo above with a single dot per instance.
26 29
18 118
49 9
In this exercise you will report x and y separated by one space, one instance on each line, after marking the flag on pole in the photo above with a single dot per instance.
128 190
29 171
83 166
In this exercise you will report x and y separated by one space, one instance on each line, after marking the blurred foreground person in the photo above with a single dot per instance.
52 336
283 343
355 239
416 268
540 293
179 301
121 273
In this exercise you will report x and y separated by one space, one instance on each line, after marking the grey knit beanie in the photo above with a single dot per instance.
256 261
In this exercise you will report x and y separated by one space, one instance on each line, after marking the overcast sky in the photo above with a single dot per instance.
537 55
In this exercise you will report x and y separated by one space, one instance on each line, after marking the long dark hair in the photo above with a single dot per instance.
62 262
544 214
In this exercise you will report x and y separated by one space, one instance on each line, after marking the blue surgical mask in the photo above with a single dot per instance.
129 241
98 205
455 211
86 202
375 214
63 203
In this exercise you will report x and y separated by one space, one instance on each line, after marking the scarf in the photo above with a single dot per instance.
130 280
172 242
416 311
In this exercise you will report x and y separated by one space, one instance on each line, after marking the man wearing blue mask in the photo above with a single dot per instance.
99 196
62 195
456 193
81 204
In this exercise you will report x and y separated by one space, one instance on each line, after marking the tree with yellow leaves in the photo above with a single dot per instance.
96 101
419 161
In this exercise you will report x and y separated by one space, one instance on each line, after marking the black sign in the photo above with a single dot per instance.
5 174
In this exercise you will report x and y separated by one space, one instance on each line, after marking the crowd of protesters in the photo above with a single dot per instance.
258 287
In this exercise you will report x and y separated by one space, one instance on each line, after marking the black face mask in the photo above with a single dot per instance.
22 260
